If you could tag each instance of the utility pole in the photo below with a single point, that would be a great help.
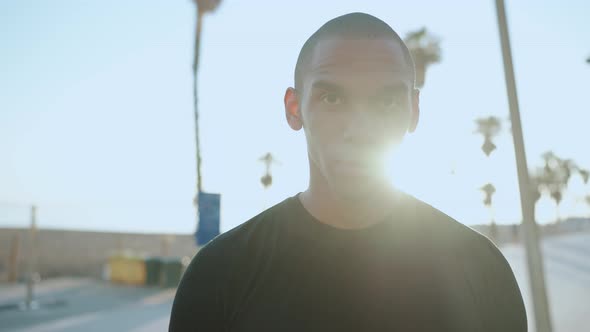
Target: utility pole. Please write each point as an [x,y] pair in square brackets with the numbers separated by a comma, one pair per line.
[13,263]
[32,261]
[195,95]
[531,239]
[203,7]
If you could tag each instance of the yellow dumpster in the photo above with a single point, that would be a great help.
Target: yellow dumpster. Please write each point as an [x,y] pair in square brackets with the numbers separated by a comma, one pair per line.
[127,269]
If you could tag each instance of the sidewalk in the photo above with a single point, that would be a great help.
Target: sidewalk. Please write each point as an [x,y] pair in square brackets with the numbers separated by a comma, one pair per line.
[87,305]
[567,276]
[11,293]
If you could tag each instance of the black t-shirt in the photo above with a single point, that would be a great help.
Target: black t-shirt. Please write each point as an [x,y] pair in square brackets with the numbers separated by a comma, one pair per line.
[283,270]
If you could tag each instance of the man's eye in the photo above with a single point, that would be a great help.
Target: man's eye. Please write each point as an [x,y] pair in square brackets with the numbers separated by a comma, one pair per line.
[388,102]
[331,99]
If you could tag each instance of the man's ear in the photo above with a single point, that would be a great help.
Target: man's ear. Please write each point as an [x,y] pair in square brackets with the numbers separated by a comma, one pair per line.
[292,109]
[415,116]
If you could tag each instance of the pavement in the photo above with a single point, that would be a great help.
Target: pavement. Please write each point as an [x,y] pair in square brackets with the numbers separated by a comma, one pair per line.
[566,261]
[68,305]
[75,304]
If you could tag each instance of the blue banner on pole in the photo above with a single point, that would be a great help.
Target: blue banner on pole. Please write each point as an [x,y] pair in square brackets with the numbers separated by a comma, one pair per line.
[208,228]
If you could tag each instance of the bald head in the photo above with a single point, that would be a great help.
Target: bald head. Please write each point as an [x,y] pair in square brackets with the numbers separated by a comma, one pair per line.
[349,26]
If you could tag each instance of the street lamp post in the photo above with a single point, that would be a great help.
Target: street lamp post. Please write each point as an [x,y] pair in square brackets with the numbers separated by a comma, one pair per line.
[533,252]
[203,7]
[30,302]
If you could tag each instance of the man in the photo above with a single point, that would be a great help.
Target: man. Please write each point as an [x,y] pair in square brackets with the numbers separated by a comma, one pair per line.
[350,253]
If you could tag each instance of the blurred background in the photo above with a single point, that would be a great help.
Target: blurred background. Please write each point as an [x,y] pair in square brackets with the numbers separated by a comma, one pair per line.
[98,158]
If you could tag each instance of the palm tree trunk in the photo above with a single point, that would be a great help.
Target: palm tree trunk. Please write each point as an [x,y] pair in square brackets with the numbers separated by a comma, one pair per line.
[493,226]
[195,98]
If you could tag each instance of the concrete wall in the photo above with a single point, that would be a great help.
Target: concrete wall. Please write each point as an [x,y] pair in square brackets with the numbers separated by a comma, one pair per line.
[84,253]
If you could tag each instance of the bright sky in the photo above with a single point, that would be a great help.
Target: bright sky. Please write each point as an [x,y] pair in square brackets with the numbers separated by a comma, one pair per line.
[96,119]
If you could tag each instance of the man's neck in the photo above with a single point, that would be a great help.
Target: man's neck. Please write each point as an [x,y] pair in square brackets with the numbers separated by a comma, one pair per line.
[349,213]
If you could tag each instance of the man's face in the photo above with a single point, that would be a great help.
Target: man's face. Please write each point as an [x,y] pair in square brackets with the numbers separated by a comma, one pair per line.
[355,105]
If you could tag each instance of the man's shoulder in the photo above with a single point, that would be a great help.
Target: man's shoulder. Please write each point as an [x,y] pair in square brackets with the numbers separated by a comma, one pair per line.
[245,234]
[215,270]
[463,254]
[444,229]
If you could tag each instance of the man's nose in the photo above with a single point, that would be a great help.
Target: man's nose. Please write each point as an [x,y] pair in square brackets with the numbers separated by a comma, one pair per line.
[360,127]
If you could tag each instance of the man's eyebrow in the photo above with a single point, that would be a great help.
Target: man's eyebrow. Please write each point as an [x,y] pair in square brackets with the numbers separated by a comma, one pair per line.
[326,85]
[397,87]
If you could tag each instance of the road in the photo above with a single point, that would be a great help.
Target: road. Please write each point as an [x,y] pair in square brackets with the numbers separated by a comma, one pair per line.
[89,305]
[567,273]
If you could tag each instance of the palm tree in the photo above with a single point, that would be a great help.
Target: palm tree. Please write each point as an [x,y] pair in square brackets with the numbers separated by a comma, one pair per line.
[585,174]
[552,161]
[540,182]
[203,7]
[568,167]
[425,50]
[557,174]
[554,178]
[489,128]
[536,183]
[268,160]
[489,191]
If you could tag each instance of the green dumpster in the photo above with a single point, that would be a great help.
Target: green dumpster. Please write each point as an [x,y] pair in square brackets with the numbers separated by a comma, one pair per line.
[172,269]
[153,267]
